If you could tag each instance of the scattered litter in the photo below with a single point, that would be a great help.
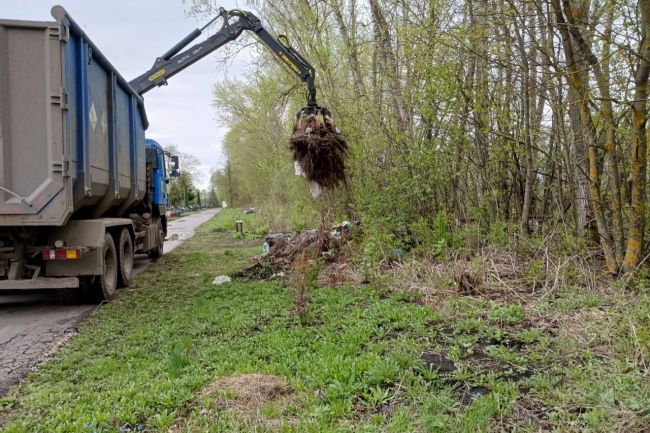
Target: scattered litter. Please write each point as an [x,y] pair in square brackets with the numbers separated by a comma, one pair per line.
[395,255]
[221,279]
[386,409]
[467,396]
[271,239]
[344,229]
[314,188]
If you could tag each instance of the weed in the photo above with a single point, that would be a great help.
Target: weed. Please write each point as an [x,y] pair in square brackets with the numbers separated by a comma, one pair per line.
[303,279]
[178,358]
[507,314]
[375,397]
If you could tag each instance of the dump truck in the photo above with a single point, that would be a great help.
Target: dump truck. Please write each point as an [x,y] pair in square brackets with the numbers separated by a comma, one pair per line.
[81,189]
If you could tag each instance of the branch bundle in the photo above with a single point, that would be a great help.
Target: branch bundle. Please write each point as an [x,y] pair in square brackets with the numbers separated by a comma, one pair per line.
[319,148]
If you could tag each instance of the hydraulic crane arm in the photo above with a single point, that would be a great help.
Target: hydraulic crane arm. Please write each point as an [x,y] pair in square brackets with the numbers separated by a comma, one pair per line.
[234,23]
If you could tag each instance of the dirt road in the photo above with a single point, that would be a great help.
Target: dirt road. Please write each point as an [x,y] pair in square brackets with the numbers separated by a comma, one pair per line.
[34,325]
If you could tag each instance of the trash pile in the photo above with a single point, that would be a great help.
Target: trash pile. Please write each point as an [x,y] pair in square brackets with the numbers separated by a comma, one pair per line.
[281,249]
[314,243]
[319,150]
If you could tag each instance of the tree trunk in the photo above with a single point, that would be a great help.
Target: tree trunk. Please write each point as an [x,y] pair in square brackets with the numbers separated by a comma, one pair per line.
[607,113]
[587,127]
[389,62]
[352,50]
[638,157]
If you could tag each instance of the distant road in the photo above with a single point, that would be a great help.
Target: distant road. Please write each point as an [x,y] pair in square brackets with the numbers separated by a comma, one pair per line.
[34,325]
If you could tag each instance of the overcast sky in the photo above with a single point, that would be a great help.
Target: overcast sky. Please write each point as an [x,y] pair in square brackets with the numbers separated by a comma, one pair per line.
[131,34]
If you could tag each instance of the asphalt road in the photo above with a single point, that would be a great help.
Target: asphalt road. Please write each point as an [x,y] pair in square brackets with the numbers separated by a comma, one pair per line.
[34,325]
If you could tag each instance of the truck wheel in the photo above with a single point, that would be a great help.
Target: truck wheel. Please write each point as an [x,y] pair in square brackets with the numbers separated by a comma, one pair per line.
[125,256]
[156,253]
[103,287]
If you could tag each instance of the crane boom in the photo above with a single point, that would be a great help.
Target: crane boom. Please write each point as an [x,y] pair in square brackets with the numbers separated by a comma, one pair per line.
[234,23]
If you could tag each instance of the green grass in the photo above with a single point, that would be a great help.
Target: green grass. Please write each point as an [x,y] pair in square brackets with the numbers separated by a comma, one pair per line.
[571,362]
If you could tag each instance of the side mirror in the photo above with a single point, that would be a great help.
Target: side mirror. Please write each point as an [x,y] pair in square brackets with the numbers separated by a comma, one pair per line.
[175,173]
[175,164]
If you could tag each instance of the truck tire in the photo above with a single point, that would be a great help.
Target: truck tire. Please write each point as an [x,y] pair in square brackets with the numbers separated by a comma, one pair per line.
[104,287]
[157,252]
[125,255]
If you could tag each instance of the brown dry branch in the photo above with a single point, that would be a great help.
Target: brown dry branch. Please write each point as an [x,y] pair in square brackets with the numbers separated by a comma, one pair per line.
[312,242]
[319,149]
[302,278]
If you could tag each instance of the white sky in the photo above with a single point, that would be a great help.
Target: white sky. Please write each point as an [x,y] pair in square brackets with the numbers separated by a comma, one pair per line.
[131,34]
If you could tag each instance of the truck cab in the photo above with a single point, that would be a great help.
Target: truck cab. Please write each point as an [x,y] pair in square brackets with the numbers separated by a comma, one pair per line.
[157,199]
[159,160]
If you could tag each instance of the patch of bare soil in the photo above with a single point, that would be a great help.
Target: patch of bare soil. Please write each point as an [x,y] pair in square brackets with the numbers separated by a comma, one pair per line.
[533,411]
[438,362]
[482,361]
[246,395]
[249,392]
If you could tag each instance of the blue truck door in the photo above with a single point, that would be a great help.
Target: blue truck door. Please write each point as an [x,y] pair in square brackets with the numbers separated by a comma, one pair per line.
[159,178]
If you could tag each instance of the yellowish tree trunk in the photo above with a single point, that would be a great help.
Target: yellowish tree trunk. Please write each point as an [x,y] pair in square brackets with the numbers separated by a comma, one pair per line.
[576,80]
[638,157]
